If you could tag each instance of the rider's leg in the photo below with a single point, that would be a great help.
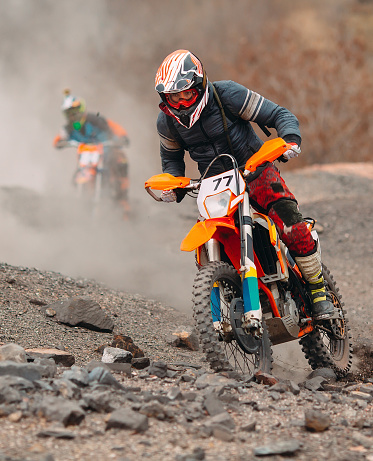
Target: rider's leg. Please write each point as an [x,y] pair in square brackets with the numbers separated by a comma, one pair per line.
[294,232]
[120,168]
[272,196]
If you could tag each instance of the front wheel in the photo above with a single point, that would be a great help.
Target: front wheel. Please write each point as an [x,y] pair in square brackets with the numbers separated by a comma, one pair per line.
[329,345]
[215,286]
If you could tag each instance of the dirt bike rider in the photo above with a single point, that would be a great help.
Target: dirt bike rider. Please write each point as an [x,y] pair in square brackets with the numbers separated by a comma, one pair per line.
[191,119]
[90,128]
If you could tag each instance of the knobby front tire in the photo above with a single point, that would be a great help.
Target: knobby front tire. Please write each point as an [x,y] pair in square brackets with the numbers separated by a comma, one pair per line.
[322,350]
[218,341]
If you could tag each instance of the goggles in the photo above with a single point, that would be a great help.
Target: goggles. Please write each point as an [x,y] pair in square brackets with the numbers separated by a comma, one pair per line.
[184,98]
[73,112]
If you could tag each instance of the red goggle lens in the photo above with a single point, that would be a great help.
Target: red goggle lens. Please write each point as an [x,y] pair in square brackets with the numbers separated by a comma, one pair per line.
[184,98]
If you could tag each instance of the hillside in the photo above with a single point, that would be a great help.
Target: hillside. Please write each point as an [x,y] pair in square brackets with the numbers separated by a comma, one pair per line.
[178,410]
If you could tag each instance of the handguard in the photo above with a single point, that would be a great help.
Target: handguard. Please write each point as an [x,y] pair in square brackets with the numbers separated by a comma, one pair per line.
[165,181]
[269,152]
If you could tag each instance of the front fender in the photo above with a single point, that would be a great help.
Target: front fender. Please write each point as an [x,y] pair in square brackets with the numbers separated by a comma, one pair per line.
[203,231]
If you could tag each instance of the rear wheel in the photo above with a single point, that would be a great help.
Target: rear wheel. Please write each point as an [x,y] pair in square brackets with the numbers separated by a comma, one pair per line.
[215,286]
[329,345]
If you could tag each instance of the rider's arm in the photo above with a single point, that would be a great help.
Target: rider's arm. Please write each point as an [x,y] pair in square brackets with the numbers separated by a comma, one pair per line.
[119,133]
[62,139]
[172,154]
[253,107]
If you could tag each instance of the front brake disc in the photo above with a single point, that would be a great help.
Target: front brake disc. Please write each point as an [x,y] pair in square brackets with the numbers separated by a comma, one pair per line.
[247,342]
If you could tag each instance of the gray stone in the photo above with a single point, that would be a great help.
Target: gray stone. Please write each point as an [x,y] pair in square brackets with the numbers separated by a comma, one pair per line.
[13,352]
[314,384]
[24,370]
[16,382]
[67,389]
[190,396]
[116,355]
[124,368]
[198,454]
[99,401]
[10,395]
[59,409]
[56,433]
[124,418]
[222,419]
[77,375]
[156,410]
[47,367]
[293,387]
[175,394]
[249,427]
[96,363]
[102,376]
[81,312]
[215,380]
[327,373]
[361,439]
[158,369]
[213,405]
[280,447]
[222,433]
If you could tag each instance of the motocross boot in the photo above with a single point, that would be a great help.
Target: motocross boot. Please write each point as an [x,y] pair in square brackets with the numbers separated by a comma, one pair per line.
[311,269]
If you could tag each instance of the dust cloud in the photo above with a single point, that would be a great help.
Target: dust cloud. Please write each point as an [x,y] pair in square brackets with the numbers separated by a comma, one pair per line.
[46,47]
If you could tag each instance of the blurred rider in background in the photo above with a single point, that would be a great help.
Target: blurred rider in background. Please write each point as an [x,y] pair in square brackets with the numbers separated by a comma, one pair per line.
[210,119]
[93,128]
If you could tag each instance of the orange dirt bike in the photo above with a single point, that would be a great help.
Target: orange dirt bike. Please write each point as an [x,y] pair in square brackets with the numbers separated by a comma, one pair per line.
[94,179]
[248,293]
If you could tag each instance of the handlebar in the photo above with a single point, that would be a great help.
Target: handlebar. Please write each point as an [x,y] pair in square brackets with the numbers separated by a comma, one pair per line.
[270,151]
[109,142]
[190,186]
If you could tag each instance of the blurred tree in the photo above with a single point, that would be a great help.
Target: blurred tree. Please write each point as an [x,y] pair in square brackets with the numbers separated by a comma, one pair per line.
[313,58]
[327,89]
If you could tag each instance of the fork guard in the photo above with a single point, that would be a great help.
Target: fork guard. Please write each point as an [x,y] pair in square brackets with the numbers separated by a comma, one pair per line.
[222,229]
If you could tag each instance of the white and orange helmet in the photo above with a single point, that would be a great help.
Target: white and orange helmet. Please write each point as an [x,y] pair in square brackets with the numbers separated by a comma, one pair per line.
[182,71]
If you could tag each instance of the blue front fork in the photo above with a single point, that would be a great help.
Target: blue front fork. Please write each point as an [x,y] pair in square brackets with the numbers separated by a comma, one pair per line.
[215,303]
[250,290]
[249,276]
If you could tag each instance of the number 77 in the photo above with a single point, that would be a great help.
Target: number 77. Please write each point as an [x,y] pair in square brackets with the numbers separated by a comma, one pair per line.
[219,180]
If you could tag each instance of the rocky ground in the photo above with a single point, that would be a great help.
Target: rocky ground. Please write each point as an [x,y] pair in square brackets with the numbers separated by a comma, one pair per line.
[176,409]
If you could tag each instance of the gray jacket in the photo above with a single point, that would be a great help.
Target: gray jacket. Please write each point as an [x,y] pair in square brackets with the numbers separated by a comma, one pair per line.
[206,138]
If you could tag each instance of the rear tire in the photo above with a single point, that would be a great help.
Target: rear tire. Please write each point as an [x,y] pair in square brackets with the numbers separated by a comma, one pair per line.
[322,350]
[220,346]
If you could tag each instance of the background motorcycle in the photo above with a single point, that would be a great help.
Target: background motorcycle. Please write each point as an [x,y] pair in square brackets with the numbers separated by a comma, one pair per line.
[248,293]
[95,179]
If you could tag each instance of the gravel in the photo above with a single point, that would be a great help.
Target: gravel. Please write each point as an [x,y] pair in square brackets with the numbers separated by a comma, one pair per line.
[341,201]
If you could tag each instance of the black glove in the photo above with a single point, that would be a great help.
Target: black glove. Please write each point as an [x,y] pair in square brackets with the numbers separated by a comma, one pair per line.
[180,194]
[282,159]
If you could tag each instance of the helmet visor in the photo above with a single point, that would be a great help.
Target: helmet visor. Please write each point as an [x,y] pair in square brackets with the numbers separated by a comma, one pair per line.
[184,98]
[73,113]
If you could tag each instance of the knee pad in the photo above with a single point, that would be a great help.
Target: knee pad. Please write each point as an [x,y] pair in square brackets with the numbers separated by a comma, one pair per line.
[288,212]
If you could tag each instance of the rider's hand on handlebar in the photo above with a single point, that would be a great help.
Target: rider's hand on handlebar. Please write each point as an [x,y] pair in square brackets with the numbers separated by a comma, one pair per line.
[62,143]
[291,153]
[168,196]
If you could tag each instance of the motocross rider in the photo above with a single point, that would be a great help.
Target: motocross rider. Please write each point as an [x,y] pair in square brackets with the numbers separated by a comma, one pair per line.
[191,119]
[90,128]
